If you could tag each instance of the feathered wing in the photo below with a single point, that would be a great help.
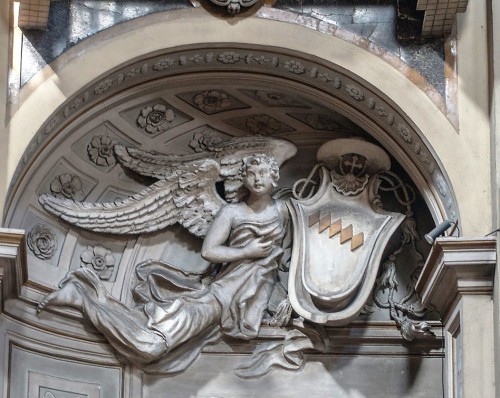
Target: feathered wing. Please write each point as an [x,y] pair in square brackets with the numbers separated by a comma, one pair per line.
[160,166]
[187,195]
[153,164]
[228,154]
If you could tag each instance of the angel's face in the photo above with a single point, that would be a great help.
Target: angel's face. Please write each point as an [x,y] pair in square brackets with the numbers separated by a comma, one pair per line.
[258,179]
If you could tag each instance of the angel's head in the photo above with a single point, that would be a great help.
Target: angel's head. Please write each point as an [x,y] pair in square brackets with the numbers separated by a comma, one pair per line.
[260,173]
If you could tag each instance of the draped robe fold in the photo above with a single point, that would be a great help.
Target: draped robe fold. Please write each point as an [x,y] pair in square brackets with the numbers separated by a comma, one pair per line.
[182,314]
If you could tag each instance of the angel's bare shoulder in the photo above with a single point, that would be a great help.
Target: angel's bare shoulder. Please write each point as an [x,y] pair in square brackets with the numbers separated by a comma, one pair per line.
[234,213]
[231,210]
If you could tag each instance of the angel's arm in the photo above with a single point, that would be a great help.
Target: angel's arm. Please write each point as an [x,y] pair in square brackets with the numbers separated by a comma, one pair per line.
[215,249]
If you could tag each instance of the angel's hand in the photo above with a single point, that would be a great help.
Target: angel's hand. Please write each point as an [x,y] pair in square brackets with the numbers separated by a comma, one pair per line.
[258,248]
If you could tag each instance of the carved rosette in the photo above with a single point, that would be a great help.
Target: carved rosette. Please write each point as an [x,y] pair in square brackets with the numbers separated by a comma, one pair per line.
[100,150]
[100,260]
[229,57]
[322,122]
[68,186]
[204,140]
[156,119]
[263,124]
[42,241]
[333,81]
[212,101]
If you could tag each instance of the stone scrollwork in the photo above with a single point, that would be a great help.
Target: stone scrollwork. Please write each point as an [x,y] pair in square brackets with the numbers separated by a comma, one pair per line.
[42,242]
[273,98]
[330,242]
[403,310]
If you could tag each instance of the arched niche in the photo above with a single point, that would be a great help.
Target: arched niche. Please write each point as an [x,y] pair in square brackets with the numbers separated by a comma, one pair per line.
[347,77]
[277,78]
[330,88]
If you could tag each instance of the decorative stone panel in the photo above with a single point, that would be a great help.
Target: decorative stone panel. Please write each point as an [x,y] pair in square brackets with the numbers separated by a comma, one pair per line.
[440,15]
[34,14]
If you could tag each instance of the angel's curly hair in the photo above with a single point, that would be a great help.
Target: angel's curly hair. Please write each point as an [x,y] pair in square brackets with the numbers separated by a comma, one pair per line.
[259,158]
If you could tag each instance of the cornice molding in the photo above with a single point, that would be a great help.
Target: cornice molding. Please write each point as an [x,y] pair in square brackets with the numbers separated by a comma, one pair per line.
[13,263]
[457,267]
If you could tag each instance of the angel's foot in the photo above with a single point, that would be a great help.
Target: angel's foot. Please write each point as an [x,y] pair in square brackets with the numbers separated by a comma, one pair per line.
[67,296]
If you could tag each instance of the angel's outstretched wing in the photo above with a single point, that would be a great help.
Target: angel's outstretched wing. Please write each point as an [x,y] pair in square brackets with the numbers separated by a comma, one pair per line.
[228,154]
[186,195]
[152,164]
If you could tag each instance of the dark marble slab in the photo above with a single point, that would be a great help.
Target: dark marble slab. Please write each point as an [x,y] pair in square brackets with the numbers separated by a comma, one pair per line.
[71,21]
[382,22]
[427,57]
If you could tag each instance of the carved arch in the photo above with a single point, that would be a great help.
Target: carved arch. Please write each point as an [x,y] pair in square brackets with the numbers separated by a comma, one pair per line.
[356,82]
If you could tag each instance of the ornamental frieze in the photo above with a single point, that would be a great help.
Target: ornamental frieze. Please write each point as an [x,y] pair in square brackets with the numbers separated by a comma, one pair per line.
[355,93]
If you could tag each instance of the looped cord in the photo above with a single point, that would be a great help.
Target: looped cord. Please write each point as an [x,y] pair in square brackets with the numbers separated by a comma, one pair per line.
[306,182]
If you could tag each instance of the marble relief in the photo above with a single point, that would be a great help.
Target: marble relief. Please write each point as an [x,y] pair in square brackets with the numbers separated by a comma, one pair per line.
[285,259]
[42,241]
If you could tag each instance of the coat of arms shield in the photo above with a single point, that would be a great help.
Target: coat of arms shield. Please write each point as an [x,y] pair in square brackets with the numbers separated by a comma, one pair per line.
[340,234]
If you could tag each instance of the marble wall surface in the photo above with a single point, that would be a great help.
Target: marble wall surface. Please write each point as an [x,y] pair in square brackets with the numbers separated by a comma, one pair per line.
[396,373]
[71,21]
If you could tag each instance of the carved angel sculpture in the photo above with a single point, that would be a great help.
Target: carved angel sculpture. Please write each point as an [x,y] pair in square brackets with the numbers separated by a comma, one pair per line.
[243,232]
[185,191]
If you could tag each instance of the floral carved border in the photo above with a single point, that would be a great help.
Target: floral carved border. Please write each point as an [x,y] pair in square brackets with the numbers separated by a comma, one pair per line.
[354,92]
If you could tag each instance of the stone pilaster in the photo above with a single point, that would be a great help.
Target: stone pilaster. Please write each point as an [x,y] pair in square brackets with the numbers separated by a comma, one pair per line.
[13,272]
[457,282]
[5,58]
